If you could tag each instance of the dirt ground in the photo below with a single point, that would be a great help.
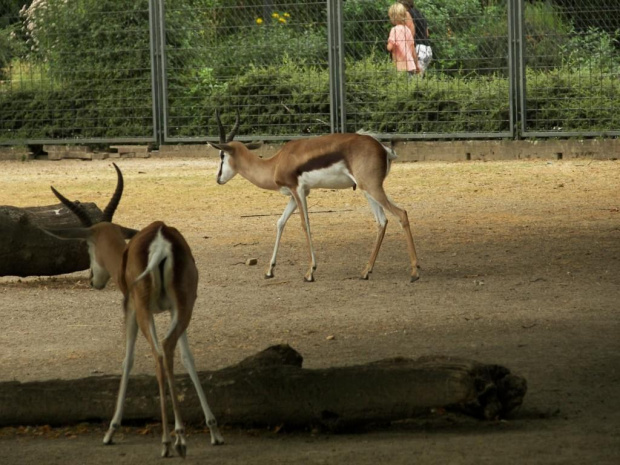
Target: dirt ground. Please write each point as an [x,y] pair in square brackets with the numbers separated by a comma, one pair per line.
[520,267]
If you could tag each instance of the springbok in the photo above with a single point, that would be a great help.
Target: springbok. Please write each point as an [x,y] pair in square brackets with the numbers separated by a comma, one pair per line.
[335,161]
[155,272]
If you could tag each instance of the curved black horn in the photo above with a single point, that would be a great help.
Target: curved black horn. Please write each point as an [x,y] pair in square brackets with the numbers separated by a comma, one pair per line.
[75,208]
[233,131]
[220,127]
[108,213]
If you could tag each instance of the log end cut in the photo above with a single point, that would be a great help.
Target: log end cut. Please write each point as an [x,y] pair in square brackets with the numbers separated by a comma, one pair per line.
[26,250]
[498,392]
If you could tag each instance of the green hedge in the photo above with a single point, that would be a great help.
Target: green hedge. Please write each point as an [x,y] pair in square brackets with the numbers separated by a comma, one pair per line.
[572,101]
[65,113]
[378,99]
[260,93]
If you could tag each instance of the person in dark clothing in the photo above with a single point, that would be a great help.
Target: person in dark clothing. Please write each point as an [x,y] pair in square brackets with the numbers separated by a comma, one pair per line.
[419,28]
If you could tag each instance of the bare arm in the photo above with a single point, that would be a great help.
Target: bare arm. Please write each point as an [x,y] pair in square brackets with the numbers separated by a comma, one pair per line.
[390,42]
[411,25]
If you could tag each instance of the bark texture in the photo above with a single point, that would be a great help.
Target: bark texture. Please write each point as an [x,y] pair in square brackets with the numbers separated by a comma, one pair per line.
[25,250]
[272,389]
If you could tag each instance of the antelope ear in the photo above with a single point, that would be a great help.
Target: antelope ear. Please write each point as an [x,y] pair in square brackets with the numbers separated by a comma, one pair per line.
[128,233]
[69,233]
[254,145]
[224,147]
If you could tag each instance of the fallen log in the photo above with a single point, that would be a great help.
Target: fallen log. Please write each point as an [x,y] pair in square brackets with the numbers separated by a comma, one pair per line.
[25,250]
[272,389]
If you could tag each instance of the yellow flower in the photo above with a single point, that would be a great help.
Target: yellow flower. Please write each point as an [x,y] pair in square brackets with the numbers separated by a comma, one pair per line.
[282,20]
[286,15]
[275,15]
[259,20]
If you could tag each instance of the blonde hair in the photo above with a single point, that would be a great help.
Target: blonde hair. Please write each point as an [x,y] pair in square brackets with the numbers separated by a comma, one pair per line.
[397,14]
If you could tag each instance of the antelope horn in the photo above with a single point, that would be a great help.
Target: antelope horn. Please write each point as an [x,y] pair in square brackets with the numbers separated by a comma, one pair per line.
[108,213]
[233,131]
[75,208]
[220,127]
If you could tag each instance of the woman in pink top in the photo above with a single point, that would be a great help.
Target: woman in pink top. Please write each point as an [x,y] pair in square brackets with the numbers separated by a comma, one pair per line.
[400,42]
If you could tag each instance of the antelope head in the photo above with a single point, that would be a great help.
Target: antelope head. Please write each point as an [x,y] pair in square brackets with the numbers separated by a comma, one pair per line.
[228,166]
[102,237]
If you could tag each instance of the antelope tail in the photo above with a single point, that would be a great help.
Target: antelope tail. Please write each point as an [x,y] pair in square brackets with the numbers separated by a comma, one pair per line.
[159,250]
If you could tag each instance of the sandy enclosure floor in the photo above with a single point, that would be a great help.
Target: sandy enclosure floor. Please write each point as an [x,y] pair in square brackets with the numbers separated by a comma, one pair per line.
[520,267]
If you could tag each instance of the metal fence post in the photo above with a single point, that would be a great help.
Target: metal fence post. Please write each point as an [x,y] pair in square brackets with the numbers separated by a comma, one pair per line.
[332,57]
[513,56]
[336,65]
[340,67]
[157,33]
[518,76]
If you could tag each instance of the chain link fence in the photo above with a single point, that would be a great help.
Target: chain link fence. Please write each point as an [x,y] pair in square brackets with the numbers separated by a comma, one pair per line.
[570,68]
[103,71]
[465,90]
[267,59]
[75,71]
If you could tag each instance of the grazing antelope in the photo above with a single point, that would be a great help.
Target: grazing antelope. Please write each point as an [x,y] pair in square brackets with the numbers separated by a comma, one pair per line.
[155,272]
[335,161]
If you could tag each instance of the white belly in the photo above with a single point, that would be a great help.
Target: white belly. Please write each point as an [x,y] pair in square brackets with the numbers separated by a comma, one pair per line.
[337,176]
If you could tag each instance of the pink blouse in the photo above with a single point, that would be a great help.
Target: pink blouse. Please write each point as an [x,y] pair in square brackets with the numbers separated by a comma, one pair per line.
[402,53]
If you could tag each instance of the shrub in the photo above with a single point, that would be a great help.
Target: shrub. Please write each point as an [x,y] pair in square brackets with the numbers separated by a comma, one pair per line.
[287,99]
[366,27]
[593,50]
[266,42]
[38,114]
[5,52]
[10,26]
[562,100]
[380,99]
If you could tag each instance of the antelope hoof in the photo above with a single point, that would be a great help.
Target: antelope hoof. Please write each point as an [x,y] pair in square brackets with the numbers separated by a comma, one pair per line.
[165,450]
[107,439]
[216,437]
[309,278]
[414,278]
[181,449]
[269,273]
[365,274]
[179,444]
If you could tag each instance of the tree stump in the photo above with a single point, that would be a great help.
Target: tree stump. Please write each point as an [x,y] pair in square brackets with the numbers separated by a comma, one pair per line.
[25,250]
[272,389]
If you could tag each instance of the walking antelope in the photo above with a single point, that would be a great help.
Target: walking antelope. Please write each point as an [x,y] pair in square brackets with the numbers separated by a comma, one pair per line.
[335,161]
[155,272]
